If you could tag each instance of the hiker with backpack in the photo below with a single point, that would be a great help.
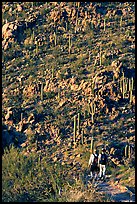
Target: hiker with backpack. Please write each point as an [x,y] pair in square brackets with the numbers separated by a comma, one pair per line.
[93,164]
[102,161]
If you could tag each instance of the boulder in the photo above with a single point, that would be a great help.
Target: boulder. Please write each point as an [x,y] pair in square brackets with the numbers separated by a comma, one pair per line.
[19,8]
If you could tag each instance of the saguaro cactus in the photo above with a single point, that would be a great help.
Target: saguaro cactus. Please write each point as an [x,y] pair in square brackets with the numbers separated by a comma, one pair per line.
[132,83]
[55,38]
[123,78]
[100,56]
[21,116]
[32,36]
[92,111]
[126,150]
[74,136]
[42,91]
[126,84]
[131,96]
[113,78]
[129,148]
[69,44]
[58,97]
[120,83]
[82,136]
[76,23]
[78,123]
[89,56]
[78,4]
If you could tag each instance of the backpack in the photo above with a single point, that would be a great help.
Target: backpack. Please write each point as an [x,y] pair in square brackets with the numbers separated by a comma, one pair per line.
[103,159]
[95,162]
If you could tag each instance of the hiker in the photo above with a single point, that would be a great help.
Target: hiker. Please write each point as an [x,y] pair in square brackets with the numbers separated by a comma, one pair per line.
[102,160]
[93,164]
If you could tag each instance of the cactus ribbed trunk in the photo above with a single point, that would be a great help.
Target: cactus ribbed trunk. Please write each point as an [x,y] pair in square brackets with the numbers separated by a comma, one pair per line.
[132,83]
[74,136]
[69,44]
[126,151]
[78,123]
[89,56]
[55,39]
[130,96]
[82,136]
[37,47]
[100,56]
[129,155]
[21,116]
[92,111]
[123,85]
[129,85]
[32,37]
[42,91]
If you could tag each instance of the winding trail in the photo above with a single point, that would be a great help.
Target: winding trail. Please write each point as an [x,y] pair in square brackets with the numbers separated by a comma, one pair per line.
[117,193]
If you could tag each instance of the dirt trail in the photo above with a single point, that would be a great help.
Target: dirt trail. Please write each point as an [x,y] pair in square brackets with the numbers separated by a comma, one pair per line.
[117,193]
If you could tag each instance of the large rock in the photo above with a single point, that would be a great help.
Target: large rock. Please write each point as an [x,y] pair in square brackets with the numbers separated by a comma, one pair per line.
[11,30]
[6,138]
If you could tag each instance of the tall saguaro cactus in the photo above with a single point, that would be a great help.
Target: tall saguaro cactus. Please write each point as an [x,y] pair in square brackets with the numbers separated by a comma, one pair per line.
[74,135]
[32,36]
[92,108]
[120,84]
[76,23]
[42,91]
[100,56]
[78,4]
[89,56]
[123,78]
[131,96]
[82,136]
[37,47]
[126,150]
[129,151]
[55,38]
[131,83]
[78,123]
[69,44]
[21,116]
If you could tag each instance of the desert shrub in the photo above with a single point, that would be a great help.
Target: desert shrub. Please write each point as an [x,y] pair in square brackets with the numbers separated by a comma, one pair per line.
[28,178]
[49,95]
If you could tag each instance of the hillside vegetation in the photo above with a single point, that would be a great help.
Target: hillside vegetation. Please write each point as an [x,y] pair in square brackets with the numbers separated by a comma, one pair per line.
[68,85]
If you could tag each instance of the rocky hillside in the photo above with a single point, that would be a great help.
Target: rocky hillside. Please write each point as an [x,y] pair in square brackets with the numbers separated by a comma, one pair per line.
[68,84]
